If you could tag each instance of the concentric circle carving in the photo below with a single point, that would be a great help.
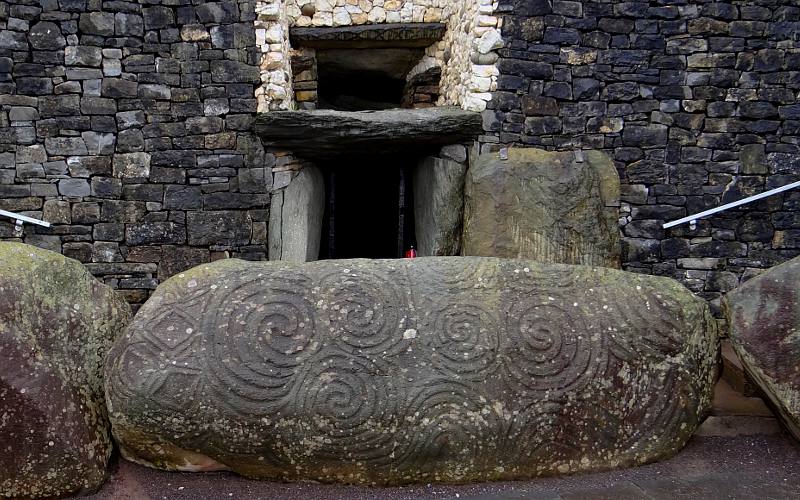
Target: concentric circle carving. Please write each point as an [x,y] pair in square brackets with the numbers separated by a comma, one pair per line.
[449,276]
[666,326]
[446,422]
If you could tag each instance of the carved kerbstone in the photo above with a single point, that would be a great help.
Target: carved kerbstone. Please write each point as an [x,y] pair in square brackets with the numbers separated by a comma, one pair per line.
[764,318]
[57,323]
[397,371]
[558,207]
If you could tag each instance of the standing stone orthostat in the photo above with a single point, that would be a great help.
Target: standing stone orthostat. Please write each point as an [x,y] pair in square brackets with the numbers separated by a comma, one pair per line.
[57,323]
[558,207]
[398,371]
[764,318]
[439,206]
[295,219]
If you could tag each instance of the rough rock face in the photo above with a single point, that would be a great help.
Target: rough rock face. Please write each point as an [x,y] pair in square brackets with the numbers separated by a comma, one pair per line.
[56,324]
[764,318]
[397,371]
[547,206]
[439,206]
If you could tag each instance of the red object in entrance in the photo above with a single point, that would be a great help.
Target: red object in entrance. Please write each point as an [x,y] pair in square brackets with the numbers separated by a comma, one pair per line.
[411,253]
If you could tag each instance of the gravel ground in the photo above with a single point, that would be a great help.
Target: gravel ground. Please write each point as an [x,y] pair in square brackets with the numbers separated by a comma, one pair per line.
[762,467]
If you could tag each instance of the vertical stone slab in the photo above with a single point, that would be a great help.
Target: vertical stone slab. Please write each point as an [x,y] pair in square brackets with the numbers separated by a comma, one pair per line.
[295,220]
[439,206]
[557,207]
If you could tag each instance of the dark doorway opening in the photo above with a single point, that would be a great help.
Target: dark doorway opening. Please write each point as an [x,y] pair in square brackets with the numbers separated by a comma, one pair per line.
[363,79]
[369,208]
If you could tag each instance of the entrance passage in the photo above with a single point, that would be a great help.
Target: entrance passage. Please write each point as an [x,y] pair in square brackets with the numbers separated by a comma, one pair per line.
[368,208]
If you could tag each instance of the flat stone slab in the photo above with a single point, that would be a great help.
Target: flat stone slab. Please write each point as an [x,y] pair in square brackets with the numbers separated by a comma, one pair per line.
[557,207]
[323,133]
[764,318]
[369,36]
[398,371]
[57,322]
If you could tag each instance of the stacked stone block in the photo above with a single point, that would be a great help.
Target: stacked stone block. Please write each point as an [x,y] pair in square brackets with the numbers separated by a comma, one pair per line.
[304,71]
[127,126]
[697,102]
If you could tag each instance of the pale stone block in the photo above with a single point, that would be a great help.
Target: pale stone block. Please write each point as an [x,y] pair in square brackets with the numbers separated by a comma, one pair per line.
[341,17]
[274,34]
[322,19]
[377,15]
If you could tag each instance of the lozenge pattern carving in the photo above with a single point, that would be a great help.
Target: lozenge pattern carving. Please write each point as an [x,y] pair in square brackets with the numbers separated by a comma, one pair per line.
[390,372]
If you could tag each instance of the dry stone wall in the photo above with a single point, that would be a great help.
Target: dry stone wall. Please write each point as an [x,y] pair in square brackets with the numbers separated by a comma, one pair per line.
[466,54]
[698,104]
[127,125]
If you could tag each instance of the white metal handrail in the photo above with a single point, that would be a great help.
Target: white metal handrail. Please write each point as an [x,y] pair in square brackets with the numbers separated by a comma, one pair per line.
[692,219]
[19,218]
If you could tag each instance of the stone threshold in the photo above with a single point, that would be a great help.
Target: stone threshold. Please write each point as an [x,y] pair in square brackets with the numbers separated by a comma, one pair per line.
[323,133]
[369,36]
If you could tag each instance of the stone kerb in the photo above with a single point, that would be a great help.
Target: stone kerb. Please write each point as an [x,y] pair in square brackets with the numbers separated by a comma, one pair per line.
[387,372]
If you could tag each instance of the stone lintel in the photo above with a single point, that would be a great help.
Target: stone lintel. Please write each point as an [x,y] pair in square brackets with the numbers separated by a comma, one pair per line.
[369,36]
[322,133]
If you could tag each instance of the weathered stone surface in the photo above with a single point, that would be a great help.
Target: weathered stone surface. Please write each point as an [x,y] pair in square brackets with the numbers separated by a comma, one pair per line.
[295,218]
[56,324]
[369,35]
[417,370]
[46,36]
[764,319]
[218,227]
[322,133]
[439,206]
[546,206]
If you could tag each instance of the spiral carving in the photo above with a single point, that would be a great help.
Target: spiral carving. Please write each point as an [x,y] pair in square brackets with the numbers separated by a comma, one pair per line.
[363,310]
[343,408]
[552,351]
[465,339]
[259,332]
[447,421]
